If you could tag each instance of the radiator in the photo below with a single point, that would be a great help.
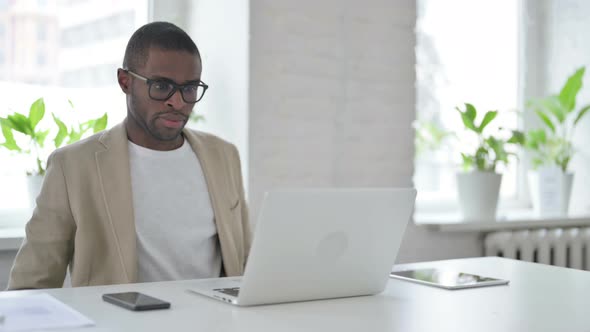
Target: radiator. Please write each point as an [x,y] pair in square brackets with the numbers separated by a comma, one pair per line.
[566,247]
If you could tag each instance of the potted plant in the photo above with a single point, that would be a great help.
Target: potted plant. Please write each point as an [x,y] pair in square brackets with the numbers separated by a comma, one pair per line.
[23,134]
[551,148]
[479,183]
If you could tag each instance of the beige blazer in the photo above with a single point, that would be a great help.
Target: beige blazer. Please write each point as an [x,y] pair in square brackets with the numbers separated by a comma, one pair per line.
[84,214]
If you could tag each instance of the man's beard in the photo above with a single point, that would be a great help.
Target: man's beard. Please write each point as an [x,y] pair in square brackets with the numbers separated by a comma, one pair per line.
[150,126]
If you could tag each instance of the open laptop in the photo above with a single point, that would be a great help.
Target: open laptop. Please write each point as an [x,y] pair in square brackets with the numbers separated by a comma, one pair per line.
[315,244]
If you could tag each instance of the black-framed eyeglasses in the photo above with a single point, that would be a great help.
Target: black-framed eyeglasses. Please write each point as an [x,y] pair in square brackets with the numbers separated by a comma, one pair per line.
[162,89]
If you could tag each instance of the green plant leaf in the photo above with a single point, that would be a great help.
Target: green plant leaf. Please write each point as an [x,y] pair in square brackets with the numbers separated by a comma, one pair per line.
[481,159]
[6,129]
[498,148]
[518,137]
[467,161]
[40,137]
[71,104]
[100,124]
[9,141]
[488,117]
[471,111]
[11,146]
[567,96]
[545,120]
[74,136]
[554,106]
[20,123]
[195,118]
[564,163]
[582,112]
[36,112]
[468,116]
[535,139]
[62,133]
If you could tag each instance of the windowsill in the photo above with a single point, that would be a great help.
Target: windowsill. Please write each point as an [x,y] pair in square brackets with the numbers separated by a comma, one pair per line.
[508,220]
[12,227]
[11,238]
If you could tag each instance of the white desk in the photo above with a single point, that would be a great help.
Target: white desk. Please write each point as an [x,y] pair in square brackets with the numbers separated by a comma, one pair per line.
[539,298]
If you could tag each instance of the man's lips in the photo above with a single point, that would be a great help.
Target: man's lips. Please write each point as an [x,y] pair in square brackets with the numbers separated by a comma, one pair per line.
[173,121]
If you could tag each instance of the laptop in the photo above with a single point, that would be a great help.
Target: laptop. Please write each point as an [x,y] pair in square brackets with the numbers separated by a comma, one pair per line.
[313,244]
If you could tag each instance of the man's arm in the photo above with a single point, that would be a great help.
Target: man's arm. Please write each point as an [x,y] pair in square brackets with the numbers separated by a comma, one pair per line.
[43,258]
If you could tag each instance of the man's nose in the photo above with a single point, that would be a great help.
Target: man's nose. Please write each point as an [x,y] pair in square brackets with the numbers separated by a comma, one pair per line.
[175,101]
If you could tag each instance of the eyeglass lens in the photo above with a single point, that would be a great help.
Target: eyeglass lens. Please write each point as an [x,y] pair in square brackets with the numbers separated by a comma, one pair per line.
[162,90]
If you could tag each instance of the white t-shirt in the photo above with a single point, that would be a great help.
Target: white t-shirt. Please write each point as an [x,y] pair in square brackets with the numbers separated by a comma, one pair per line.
[176,232]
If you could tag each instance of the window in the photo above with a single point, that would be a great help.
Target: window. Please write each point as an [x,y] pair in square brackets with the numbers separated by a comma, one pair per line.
[467,51]
[82,70]
[41,58]
[97,30]
[41,31]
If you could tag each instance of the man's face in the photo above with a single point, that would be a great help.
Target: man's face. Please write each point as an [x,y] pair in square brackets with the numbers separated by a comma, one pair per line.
[153,122]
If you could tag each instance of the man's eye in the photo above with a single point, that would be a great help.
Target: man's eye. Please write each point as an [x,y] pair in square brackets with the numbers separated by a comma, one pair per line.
[161,86]
[190,88]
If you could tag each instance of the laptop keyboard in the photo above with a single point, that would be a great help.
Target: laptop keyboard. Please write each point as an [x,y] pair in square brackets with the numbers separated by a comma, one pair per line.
[234,291]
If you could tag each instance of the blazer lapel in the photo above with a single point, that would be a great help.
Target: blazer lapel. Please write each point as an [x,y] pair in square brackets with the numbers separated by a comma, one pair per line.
[212,165]
[114,173]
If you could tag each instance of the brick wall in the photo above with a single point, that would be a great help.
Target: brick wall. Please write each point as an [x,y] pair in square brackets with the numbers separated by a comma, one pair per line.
[331,94]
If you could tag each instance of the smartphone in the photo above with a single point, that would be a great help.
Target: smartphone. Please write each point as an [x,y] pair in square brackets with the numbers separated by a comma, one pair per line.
[135,301]
[447,279]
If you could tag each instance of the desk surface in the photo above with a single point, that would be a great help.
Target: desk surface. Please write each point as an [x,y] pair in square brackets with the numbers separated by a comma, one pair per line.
[539,298]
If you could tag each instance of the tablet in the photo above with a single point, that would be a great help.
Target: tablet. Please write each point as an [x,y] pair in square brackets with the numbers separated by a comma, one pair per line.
[446,278]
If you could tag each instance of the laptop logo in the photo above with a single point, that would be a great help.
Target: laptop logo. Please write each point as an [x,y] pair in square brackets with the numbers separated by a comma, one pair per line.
[332,246]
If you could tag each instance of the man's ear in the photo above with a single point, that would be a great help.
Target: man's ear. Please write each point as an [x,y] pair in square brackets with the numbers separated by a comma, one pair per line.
[124,81]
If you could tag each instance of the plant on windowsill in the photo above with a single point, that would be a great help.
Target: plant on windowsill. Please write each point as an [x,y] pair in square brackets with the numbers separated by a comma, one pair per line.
[551,148]
[479,183]
[24,135]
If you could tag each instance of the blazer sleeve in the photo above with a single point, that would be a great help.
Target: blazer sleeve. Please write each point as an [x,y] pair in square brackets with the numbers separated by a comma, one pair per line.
[45,253]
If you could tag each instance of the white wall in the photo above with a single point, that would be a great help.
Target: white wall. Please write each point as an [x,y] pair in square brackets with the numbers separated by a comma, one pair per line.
[332,101]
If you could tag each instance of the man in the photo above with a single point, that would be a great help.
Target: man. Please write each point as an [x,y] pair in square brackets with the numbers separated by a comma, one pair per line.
[147,200]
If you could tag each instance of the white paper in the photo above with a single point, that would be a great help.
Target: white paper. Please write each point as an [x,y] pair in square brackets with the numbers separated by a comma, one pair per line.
[38,311]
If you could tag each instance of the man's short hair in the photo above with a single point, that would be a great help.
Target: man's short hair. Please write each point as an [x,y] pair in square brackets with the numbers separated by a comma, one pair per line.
[162,35]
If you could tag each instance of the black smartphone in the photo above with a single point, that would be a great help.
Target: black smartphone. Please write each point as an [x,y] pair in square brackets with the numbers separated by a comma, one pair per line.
[135,301]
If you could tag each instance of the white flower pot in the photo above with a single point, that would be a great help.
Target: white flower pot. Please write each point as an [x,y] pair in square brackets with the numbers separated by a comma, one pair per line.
[478,195]
[550,191]
[34,183]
